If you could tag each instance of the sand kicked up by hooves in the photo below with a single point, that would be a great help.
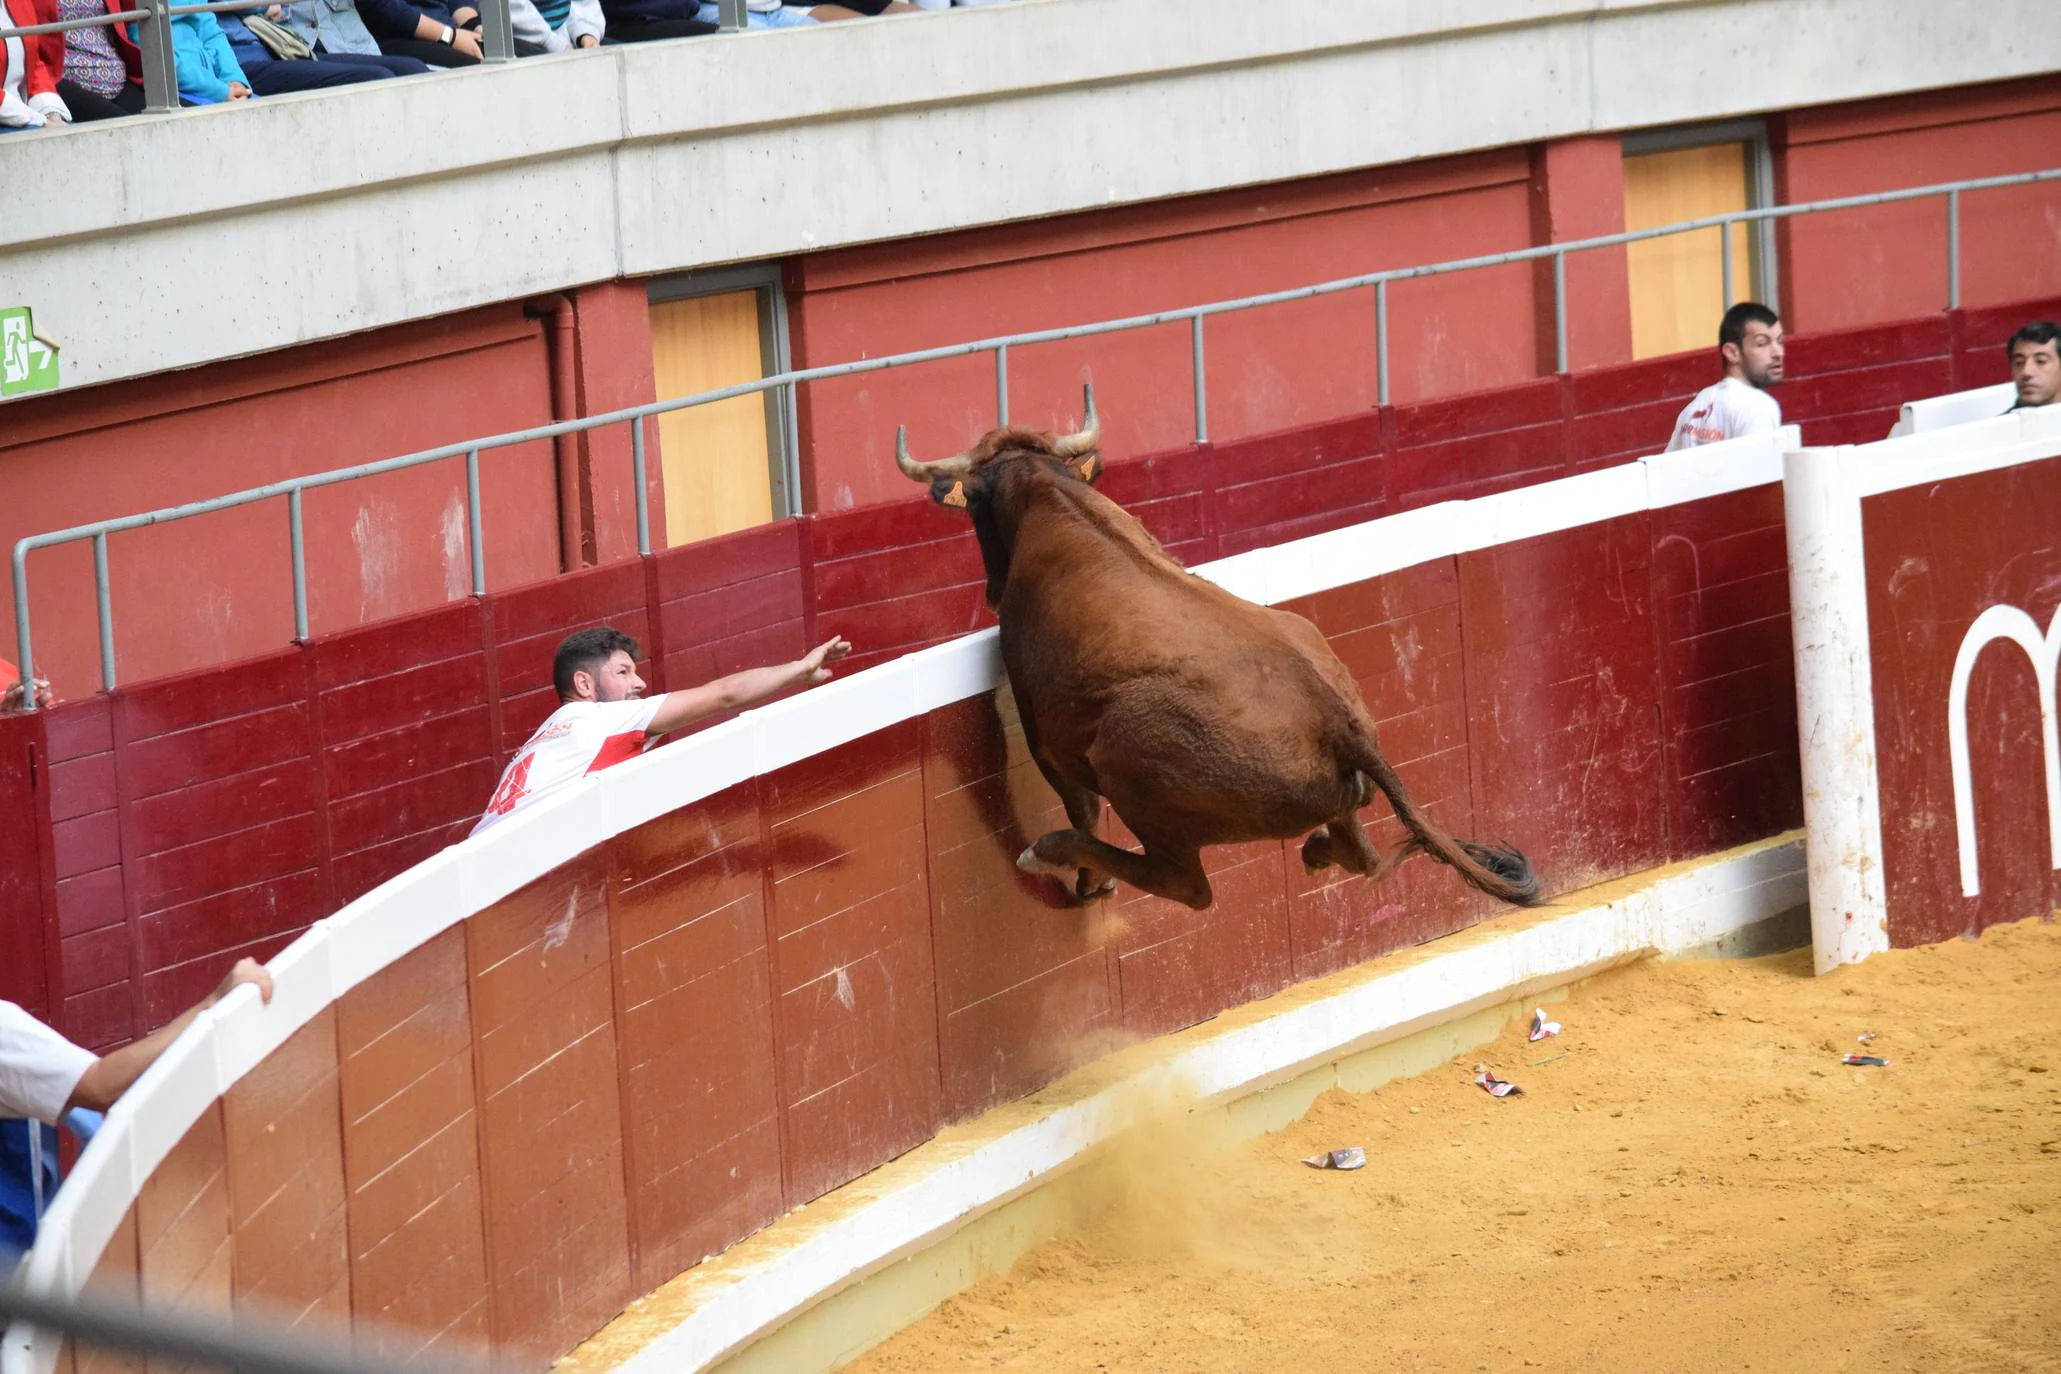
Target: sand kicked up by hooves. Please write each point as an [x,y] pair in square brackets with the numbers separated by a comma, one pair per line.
[1691,1181]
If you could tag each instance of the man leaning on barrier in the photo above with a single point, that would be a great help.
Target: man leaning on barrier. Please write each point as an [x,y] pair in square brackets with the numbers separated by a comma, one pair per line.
[2035,354]
[604,717]
[45,1077]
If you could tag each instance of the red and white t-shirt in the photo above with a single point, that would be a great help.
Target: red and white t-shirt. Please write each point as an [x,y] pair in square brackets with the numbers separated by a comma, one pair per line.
[1728,409]
[581,737]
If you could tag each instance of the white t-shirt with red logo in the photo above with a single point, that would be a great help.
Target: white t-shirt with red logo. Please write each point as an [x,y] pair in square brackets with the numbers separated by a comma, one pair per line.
[581,737]
[1727,410]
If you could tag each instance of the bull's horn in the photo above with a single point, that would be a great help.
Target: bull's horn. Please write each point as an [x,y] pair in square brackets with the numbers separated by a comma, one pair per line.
[955,466]
[1073,445]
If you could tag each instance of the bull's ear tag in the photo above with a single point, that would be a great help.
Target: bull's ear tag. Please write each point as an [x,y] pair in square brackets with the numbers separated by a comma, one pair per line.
[1089,468]
[956,496]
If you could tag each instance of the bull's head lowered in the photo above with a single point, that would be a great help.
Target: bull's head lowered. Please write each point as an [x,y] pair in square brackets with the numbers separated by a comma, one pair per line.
[992,480]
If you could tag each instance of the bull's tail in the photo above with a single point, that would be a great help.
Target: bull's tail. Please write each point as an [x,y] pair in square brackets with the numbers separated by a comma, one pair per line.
[1501,872]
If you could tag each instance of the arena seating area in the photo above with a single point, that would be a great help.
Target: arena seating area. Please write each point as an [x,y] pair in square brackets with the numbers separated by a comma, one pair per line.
[94,71]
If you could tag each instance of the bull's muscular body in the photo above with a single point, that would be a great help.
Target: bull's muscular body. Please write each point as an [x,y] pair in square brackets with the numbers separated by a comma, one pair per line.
[1203,718]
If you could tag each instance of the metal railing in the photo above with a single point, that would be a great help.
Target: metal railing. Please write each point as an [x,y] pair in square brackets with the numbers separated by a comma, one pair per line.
[1377,283]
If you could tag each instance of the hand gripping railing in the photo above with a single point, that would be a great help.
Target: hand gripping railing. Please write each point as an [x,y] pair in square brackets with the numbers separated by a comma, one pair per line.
[786,382]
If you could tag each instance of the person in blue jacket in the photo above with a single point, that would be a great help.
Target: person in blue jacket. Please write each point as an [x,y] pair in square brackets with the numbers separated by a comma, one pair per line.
[208,70]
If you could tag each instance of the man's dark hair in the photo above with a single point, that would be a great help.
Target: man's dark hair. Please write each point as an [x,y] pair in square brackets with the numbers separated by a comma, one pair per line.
[1732,329]
[2038,332]
[584,651]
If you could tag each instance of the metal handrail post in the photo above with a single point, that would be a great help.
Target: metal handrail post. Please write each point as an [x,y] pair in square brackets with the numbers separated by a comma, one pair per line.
[1953,250]
[475,524]
[1002,385]
[22,650]
[300,565]
[1381,341]
[497,32]
[1201,384]
[1725,258]
[1560,312]
[104,598]
[731,16]
[637,476]
[160,70]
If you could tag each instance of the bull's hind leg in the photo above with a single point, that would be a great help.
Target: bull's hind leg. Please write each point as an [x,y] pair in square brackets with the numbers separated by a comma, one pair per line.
[1344,842]
[1171,872]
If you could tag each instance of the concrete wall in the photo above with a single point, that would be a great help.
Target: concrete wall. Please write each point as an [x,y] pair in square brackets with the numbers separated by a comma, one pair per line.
[172,242]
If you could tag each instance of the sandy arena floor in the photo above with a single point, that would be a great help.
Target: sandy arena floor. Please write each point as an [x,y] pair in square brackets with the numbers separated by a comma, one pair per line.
[1692,1181]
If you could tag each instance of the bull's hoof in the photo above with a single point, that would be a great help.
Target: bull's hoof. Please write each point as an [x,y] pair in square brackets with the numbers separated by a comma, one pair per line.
[1030,862]
[1086,889]
[1316,851]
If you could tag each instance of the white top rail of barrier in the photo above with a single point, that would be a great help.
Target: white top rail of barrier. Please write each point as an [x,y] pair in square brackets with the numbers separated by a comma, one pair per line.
[1954,408]
[407,911]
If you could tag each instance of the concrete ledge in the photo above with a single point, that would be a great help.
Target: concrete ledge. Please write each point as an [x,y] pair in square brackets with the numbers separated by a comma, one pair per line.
[331,212]
[1306,1036]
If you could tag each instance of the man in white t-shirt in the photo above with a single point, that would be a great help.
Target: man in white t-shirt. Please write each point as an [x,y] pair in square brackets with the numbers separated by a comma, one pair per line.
[43,1076]
[1750,343]
[604,717]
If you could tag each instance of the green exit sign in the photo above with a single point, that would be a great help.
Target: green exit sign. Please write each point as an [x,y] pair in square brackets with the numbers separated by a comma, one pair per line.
[27,363]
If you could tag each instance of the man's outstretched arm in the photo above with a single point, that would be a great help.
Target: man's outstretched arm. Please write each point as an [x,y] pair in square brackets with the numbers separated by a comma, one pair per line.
[110,1076]
[748,688]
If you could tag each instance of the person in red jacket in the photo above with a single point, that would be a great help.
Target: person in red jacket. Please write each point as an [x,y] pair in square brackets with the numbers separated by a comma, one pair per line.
[30,67]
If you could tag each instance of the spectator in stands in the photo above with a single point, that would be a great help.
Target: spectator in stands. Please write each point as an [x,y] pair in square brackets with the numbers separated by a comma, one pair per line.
[44,1076]
[208,71]
[310,45]
[2035,353]
[103,68]
[604,718]
[550,26]
[772,14]
[646,21]
[429,30]
[1750,344]
[30,67]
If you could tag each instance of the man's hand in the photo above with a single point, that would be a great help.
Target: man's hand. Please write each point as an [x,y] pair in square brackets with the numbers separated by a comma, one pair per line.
[16,698]
[587,40]
[814,669]
[468,42]
[108,1078]
[238,91]
[246,971]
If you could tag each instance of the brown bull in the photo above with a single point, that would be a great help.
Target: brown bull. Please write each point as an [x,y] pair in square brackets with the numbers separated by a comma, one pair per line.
[1203,718]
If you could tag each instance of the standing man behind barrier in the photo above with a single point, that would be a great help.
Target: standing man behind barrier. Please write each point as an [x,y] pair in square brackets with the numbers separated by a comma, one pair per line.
[603,716]
[2035,353]
[1750,343]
